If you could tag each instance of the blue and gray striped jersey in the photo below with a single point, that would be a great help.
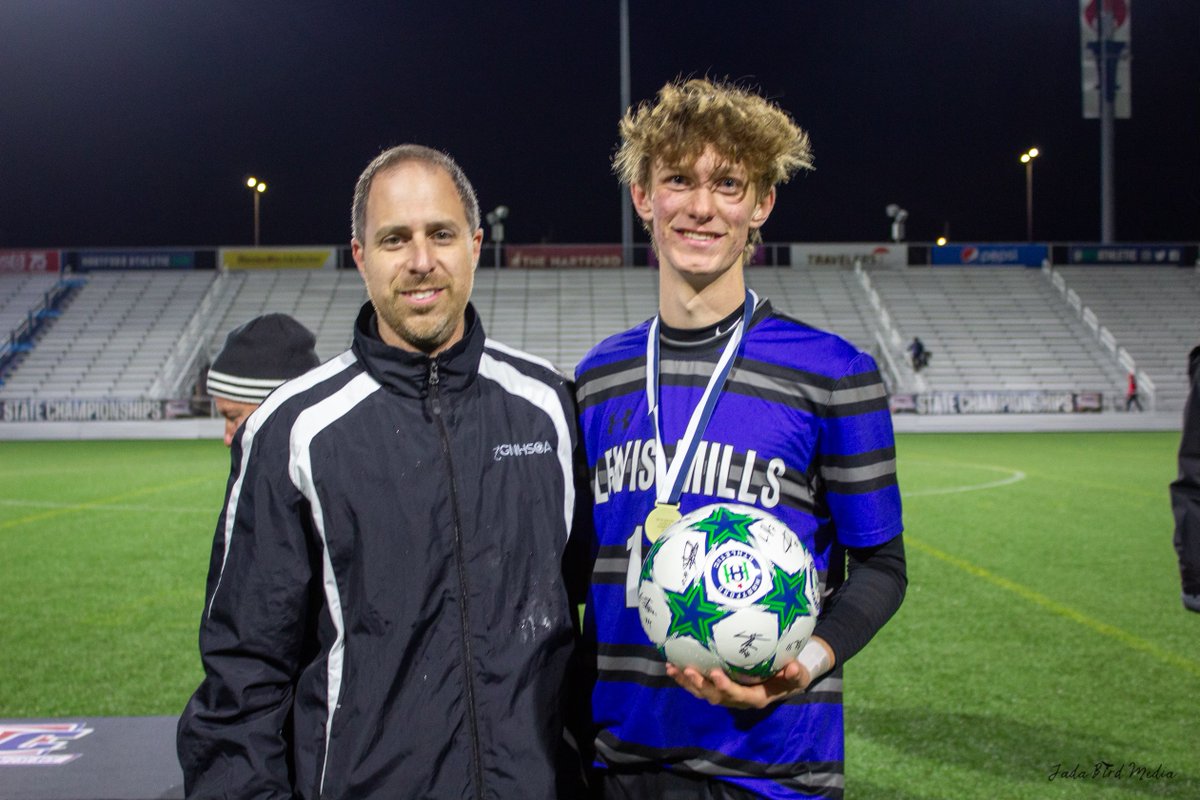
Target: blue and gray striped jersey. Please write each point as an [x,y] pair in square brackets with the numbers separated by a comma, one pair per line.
[801,430]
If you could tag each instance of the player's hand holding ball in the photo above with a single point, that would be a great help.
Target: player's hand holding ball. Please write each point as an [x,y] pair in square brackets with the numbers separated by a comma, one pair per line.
[730,596]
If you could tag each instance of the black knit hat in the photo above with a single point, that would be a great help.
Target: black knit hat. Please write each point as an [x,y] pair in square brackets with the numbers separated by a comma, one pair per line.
[260,355]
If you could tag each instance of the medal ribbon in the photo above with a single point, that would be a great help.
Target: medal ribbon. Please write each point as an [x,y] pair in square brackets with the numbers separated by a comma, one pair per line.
[668,481]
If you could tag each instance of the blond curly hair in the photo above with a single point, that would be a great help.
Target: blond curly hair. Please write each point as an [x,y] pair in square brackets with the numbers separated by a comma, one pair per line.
[689,115]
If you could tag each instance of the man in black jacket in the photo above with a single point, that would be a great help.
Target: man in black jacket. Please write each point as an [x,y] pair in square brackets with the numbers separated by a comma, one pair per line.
[386,610]
[1185,491]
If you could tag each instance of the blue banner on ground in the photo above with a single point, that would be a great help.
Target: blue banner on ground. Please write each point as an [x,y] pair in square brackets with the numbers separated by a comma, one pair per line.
[987,255]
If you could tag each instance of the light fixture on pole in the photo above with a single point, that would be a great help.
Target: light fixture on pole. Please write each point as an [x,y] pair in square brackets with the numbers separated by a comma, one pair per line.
[496,218]
[898,216]
[258,187]
[1027,159]
[944,239]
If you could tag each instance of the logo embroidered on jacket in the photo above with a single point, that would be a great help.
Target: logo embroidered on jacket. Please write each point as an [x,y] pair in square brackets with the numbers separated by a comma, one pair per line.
[517,449]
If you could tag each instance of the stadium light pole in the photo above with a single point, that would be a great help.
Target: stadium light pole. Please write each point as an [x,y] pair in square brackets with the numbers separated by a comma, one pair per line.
[258,187]
[496,218]
[623,193]
[898,215]
[1027,159]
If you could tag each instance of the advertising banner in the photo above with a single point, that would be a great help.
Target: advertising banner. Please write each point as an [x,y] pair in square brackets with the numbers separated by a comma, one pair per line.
[1164,254]
[30,260]
[37,743]
[278,258]
[989,255]
[95,260]
[130,757]
[996,403]
[846,255]
[41,410]
[542,256]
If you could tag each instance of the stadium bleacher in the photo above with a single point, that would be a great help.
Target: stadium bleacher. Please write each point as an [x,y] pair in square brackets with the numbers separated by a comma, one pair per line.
[146,334]
[1004,329]
[20,292]
[1152,312]
[326,301]
[113,338]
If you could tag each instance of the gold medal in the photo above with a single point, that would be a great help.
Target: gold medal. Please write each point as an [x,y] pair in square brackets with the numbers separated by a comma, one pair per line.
[669,479]
[662,517]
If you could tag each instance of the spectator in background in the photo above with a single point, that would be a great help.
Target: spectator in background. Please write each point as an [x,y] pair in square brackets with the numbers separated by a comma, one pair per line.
[257,357]
[920,356]
[1185,491]
[1131,393]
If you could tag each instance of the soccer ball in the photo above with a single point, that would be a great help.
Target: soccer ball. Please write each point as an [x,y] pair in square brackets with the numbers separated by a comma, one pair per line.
[729,586]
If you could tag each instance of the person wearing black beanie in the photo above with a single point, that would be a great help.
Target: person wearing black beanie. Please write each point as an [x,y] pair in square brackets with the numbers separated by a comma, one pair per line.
[257,357]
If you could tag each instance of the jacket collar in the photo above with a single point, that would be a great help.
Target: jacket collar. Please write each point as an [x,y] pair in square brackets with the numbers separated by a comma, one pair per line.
[407,373]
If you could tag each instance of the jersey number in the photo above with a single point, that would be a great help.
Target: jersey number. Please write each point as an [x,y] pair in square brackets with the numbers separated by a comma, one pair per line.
[634,570]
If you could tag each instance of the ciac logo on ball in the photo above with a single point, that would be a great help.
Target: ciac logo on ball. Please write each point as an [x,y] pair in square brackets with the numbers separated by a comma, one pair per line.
[730,587]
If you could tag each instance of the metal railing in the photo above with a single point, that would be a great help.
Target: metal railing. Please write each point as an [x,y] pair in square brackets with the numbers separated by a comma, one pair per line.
[1107,340]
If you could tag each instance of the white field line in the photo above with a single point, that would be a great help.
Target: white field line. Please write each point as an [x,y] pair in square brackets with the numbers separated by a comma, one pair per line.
[52,504]
[1011,476]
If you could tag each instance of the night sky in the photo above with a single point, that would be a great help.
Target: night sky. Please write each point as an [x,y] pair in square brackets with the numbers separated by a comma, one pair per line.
[133,123]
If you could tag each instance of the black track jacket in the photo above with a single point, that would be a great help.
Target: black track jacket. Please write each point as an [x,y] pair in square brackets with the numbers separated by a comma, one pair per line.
[1185,490]
[386,611]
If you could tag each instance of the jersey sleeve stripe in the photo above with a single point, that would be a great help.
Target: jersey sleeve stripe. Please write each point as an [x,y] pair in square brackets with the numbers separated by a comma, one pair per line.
[859,474]
[600,384]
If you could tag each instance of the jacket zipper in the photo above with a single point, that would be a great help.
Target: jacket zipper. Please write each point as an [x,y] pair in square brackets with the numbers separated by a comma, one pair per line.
[435,403]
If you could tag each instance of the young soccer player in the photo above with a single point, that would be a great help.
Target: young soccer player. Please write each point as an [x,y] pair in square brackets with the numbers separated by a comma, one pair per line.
[723,398]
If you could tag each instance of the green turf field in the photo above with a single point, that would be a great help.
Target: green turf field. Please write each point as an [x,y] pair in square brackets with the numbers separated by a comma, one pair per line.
[1042,626]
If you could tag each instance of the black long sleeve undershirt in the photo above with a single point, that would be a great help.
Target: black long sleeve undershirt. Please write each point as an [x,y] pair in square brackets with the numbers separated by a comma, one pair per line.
[872,593]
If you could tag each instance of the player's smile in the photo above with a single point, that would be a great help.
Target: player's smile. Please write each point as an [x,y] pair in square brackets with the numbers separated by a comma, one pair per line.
[700,214]
[700,237]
